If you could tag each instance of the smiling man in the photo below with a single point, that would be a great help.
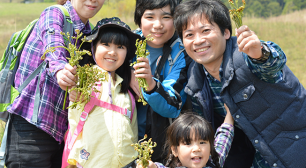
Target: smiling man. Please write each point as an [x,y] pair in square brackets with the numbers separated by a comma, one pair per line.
[251,77]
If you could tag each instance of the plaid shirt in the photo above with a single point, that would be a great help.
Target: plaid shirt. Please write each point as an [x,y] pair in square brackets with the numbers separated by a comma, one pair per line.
[270,71]
[223,141]
[46,33]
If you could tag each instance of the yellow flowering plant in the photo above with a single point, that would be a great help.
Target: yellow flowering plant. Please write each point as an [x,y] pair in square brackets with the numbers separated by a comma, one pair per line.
[142,52]
[236,12]
[145,150]
[87,75]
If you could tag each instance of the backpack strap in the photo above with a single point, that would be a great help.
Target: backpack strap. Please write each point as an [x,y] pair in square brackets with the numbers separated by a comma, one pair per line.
[68,27]
[94,101]
[182,49]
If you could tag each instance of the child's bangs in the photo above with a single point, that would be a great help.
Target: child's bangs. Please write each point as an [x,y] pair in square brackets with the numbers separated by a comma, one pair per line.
[195,132]
[194,129]
[113,35]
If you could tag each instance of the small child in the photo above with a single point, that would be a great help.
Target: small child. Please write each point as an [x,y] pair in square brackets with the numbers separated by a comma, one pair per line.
[104,139]
[189,142]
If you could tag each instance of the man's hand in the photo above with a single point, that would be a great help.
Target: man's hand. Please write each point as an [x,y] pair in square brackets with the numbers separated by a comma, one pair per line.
[143,70]
[66,77]
[248,42]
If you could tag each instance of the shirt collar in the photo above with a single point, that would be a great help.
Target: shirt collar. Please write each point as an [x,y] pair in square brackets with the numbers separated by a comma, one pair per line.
[119,80]
[210,77]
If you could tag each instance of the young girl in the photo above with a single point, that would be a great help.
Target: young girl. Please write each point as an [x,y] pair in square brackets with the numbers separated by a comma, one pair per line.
[190,140]
[104,139]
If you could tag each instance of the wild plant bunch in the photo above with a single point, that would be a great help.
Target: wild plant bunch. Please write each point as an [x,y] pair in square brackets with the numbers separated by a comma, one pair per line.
[87,75]
[145,150]
[142,52]
[237,12]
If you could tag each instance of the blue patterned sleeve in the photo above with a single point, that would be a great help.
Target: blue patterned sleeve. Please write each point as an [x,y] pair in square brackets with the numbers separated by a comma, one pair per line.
[223,141]
[269,71]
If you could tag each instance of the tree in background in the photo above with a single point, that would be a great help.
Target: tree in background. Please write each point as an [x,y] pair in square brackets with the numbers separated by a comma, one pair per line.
[267,8]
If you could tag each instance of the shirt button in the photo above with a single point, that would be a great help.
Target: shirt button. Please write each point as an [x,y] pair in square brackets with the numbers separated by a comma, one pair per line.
[274,165]
[297,137]
[237,116]
[256,141]
[245,96]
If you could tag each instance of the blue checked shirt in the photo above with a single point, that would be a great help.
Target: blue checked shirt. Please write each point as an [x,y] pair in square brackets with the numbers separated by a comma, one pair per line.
[269,71]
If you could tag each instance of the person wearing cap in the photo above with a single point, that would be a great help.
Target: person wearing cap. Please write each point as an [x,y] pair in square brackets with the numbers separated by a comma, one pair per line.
[36,139]
[110,127]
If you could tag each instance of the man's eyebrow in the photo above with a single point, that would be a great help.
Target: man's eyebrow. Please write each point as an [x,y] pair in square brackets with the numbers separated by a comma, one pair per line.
[188,30]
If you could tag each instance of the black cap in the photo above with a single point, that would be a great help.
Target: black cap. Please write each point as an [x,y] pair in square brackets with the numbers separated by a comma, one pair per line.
[116,22]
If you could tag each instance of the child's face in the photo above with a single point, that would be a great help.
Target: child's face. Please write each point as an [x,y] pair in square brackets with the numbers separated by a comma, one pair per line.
[110,56]
[158,23]
[193,155]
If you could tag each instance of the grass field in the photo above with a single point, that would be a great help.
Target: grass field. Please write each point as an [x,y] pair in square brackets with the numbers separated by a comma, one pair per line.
[288,31]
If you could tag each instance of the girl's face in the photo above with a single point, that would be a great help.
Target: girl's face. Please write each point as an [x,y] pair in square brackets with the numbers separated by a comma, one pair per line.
[193,155]
[87,9]
[110,56]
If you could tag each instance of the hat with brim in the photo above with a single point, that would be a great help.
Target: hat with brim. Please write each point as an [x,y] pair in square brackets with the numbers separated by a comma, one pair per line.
[116,23]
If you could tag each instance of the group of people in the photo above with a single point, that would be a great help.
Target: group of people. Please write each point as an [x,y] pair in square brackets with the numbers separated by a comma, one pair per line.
[213,100]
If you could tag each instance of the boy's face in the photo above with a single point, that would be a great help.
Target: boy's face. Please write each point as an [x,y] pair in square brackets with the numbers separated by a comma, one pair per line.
[158,23]
[204,42]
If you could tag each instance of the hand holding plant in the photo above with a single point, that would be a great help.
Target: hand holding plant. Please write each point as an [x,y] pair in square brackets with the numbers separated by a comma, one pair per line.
[145,150]
[236,13]
[87,75]
[142,52]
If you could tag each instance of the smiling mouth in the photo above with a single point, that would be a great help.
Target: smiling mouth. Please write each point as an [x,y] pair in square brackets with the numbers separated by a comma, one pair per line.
[91,7]
[157,34]
[201,50]
[110,60]
[196,159]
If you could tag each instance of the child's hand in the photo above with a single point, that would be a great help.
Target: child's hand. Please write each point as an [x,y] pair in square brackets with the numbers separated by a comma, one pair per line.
[73,96]
[228,118]
[66,77]
[248,42]
[134,85]
[151,165]
[143,70]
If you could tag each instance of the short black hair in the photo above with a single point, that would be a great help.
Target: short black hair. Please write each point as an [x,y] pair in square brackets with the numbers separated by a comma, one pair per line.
[143,5]
[213,10]
[118,37]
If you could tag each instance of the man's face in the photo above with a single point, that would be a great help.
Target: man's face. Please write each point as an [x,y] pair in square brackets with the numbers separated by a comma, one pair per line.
[158,23]
[204,41]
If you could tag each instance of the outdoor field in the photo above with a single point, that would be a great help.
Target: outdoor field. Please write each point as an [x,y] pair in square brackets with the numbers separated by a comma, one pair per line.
[288,31]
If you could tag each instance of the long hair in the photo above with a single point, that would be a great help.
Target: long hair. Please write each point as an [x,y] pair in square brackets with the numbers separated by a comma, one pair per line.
[118,37]
[180,131]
